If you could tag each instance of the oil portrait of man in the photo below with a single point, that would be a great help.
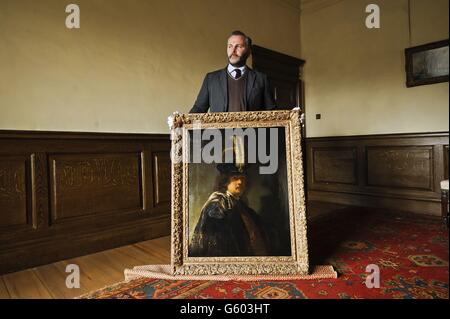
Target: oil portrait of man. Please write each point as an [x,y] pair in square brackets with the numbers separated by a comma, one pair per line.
[227,226]
[237,211]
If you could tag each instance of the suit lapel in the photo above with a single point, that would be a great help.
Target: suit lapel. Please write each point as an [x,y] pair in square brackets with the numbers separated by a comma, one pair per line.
[250,83]
[224,87]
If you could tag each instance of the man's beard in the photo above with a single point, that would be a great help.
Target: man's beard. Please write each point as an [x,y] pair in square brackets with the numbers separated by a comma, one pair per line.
[240,62]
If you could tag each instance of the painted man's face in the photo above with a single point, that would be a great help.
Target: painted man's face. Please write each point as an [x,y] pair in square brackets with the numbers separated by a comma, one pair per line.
[237,50]
[236,185]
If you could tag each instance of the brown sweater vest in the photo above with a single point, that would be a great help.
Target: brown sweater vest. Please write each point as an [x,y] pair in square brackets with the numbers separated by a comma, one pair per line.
[237,101]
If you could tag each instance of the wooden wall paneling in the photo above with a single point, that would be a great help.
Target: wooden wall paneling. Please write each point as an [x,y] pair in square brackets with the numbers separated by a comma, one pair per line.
[381,201]
[439,170]
[161,174]
[445,151]
[40,191]
[362,165]
[405,168]
[145,180]
[400,167]
[335,165]
[68,194]
[15,192]
[95,184]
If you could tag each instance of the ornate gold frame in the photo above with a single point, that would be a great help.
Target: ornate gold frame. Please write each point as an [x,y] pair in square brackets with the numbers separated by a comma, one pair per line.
[295,264]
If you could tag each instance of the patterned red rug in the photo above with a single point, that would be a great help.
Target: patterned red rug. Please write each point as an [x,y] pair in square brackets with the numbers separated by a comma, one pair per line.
[411,253]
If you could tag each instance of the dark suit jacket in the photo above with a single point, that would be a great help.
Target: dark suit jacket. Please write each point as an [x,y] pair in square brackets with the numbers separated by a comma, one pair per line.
[214,92]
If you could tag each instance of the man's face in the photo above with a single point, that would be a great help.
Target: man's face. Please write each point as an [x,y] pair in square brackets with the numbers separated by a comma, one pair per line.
[237,50]
[236,185]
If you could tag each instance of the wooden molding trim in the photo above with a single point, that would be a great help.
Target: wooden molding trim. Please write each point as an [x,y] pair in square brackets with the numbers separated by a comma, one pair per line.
[399,171]
[17,134]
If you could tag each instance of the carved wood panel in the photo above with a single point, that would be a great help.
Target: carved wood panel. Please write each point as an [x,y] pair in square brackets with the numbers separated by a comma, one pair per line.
[87,184]
[162,177]
[40,190]
[335,165]
[402,167]
[14,192]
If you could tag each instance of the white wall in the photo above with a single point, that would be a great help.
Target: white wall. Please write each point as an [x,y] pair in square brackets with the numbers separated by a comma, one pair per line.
[130,65]
[355,77]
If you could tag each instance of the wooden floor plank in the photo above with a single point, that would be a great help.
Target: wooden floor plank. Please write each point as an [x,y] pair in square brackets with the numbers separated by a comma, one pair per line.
[135,255]
[96,271]
[122,260]
[160,253]
[25,284]
[54,278]
[4,294]
[162,244]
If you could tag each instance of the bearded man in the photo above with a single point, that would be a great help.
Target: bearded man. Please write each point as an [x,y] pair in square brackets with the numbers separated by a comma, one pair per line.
[237,87]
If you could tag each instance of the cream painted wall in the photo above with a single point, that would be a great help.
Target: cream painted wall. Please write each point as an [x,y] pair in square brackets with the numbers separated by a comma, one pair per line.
[355,76]
[130,65]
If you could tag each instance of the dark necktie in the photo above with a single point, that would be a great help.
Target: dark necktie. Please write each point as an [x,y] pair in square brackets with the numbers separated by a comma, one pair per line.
[238,74]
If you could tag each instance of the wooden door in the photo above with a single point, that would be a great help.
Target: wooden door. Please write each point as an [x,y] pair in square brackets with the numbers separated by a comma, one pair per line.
[284,73]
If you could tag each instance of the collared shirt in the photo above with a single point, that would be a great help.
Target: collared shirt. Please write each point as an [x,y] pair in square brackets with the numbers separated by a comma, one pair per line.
[231,70]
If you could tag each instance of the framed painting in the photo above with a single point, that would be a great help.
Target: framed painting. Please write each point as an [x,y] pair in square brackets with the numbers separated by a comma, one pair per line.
[238,198]
[427,64]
